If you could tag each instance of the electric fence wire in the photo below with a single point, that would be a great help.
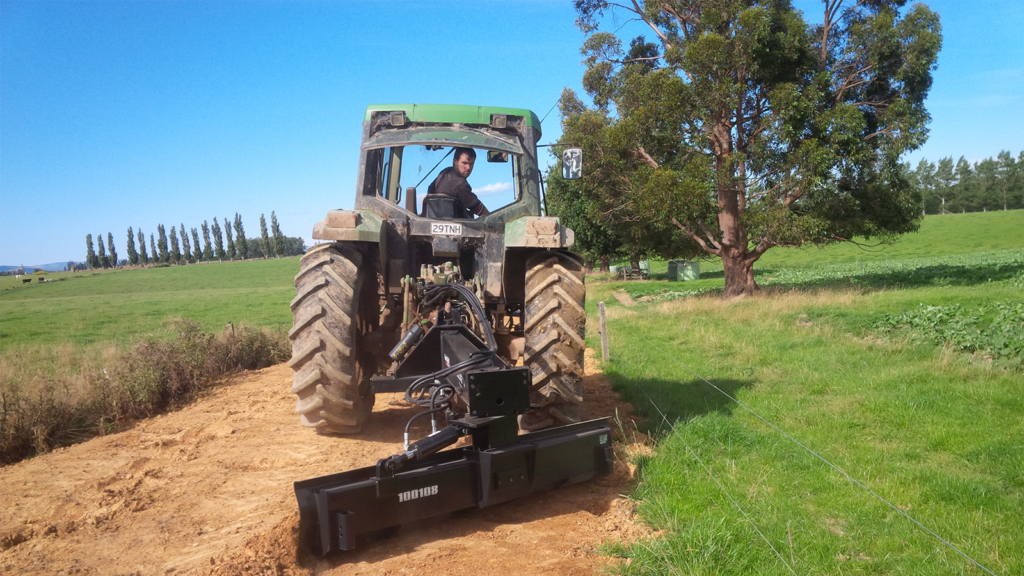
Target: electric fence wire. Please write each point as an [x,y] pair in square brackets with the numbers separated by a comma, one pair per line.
[720,487]
[823,459]
[549,112]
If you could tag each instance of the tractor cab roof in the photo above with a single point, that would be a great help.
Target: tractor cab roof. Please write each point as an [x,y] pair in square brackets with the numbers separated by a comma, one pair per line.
[455,114]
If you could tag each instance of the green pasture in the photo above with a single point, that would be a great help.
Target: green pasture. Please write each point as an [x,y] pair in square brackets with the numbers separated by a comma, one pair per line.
[115,306]
[940,235]
[901,365]
[904,372]
[946,246]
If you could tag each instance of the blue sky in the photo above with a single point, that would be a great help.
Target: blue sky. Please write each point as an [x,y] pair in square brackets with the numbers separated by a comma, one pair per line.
[116,114]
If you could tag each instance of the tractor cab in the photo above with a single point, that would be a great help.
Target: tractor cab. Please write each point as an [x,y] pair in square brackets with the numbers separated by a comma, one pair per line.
[405,154]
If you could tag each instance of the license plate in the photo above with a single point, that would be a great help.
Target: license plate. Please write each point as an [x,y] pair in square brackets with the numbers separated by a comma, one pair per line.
[445,229]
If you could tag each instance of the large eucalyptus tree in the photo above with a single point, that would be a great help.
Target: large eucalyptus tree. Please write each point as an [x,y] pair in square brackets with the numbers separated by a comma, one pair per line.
[745,127]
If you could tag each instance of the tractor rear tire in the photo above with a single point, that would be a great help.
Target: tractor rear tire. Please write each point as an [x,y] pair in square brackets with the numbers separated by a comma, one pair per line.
[555,327]
[329,373]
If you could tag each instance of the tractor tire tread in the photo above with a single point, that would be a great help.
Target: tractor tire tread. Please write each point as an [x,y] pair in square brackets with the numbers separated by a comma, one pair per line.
[327,371]
[555,324]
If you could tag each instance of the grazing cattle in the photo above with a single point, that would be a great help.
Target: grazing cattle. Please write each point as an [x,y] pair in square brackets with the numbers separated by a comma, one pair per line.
[26,280]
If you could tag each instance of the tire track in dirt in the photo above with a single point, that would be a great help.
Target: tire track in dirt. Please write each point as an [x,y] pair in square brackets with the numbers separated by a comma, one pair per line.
[208,490]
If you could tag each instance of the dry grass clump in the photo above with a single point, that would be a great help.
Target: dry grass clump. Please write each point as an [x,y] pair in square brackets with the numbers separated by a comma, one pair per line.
[56,397]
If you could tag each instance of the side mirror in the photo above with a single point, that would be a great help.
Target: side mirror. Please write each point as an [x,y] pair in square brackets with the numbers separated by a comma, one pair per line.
[496,156]
[572,164]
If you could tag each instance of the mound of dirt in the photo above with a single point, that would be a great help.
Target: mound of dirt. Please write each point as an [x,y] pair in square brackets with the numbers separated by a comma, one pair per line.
[208,490]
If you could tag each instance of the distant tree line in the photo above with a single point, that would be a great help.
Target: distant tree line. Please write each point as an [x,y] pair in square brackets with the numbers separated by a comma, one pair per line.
[991,184]
[71,266]
[184,247]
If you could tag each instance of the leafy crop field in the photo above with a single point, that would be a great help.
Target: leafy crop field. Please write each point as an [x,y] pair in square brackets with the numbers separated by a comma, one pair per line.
[114,306]
[903,372]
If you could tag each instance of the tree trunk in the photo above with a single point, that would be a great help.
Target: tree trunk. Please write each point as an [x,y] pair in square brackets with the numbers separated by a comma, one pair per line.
[605,264]
[588,266]
[733,246]
[739,276]
[634,263]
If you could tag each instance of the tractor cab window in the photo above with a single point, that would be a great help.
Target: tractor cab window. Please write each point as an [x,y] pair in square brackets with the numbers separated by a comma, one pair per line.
[494,179]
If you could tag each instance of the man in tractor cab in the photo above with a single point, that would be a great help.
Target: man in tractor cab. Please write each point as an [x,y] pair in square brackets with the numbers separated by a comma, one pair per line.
[452,182]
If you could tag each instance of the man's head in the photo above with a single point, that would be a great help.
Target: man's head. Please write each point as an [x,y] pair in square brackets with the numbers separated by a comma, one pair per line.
[464,160]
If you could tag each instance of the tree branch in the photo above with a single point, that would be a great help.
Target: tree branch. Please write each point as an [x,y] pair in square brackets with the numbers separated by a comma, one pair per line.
[647,157]
[792,197]
[849,83]
[882,132]
[683,22]
[640,12]
[831,8]
[697,239]
[759,250]
[708,234]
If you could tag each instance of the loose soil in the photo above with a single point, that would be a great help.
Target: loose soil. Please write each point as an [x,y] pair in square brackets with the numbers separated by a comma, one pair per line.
[208,490]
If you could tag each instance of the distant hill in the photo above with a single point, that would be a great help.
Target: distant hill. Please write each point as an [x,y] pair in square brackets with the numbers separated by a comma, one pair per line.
[55,267]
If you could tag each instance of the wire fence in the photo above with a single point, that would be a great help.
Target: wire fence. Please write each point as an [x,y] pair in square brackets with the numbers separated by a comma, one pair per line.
[835,467]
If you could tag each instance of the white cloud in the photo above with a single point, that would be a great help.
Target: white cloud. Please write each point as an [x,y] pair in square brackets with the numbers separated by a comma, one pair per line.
[496,188]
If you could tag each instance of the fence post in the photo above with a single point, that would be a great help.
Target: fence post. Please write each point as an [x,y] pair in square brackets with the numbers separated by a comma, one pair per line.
[604,332]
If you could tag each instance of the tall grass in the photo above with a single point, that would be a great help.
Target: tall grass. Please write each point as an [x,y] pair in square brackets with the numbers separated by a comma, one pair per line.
[55,396]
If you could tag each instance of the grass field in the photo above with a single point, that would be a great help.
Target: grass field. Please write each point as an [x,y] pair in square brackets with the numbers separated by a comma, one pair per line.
[114,306]
[943,235]
[92,307]
[900,366]
[927,252]
[82,352]
[840,354]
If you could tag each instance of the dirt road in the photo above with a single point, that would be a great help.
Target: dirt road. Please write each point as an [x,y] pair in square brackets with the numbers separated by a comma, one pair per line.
[208,490]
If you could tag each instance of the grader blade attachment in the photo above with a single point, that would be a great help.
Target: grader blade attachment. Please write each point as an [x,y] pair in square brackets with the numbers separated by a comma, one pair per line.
[338,510]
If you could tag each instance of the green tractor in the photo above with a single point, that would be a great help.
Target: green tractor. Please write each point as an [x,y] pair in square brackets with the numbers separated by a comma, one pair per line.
[360,290]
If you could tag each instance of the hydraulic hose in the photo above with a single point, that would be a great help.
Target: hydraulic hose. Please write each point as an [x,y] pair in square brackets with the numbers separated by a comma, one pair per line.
[433,295]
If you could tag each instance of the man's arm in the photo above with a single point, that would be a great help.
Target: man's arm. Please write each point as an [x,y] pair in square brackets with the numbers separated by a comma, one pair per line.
[470,201]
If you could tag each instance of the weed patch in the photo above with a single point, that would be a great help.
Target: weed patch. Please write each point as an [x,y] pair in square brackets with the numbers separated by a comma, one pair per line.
[997,329]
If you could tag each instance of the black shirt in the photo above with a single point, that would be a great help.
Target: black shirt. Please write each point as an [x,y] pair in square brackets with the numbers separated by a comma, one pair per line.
[450,183]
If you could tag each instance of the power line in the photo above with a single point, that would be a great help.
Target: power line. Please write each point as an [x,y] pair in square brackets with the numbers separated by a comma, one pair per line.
[820,457]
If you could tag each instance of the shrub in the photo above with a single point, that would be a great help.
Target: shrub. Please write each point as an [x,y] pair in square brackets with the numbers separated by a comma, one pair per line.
[249,349]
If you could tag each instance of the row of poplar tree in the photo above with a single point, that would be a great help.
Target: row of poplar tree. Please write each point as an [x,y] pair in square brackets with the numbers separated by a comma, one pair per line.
[238,247]
[991,184]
